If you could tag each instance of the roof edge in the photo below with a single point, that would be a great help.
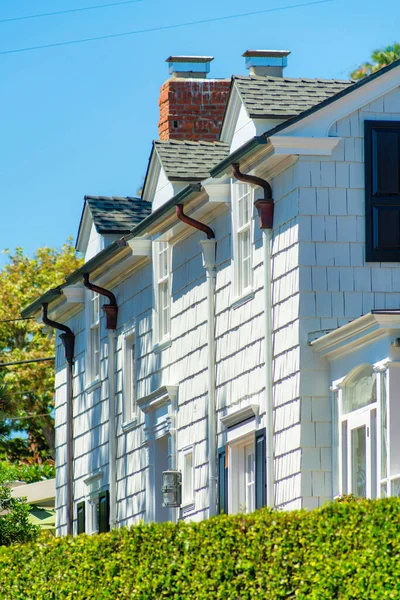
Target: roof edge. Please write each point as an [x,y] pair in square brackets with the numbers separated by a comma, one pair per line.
[252,144]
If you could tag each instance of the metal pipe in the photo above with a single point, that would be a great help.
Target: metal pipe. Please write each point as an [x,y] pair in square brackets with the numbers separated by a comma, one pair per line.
[68,340]
[209,263]
[265,208]
[193,223]
[111,311]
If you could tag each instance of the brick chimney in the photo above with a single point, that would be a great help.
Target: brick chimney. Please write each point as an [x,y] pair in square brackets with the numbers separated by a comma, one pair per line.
[191,106]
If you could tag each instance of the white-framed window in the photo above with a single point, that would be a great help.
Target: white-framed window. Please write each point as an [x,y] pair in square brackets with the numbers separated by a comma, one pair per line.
[129,378]
[94,336]
[187,477]
[242,469]
[162,290]
[96,511]
[360,435]
[242,213]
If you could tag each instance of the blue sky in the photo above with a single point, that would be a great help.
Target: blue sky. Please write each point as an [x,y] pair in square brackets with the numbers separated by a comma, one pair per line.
[80,119]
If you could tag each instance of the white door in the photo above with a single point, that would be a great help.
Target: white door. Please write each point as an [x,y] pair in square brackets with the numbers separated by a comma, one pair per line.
[361,476]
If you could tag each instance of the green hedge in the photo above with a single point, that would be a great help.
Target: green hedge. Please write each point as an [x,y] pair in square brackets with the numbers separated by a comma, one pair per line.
[344,550]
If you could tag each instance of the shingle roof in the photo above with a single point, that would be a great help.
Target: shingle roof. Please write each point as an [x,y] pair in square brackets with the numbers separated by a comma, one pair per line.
[283,97]
[184,160]
[115,214]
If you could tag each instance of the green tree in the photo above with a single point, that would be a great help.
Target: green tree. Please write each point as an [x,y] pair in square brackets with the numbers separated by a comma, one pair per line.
[15,527]
[380,58]
[27,391]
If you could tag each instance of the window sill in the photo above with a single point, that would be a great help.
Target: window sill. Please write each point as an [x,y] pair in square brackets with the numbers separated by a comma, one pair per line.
[239,300]
[92,386]
[159,347]
[129,425]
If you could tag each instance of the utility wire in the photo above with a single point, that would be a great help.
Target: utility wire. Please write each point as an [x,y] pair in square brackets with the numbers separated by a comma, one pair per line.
[71,10]
[27,417]
[25,362]
[19,319]
[163,27]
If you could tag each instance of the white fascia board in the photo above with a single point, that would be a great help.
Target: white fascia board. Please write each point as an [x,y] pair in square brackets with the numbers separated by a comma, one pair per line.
[152,177]
[319,123]
[218,190]
[300,145]
[85,229]
[75,294]
[140,247]
[231,116]
[360,332]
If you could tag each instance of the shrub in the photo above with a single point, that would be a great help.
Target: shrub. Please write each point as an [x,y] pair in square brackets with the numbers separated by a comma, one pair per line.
[346,550]
[15,526]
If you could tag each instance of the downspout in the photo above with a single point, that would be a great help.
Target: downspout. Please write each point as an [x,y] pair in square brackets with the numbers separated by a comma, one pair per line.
[68,340]
[111,310]
[265,208]
[209,263]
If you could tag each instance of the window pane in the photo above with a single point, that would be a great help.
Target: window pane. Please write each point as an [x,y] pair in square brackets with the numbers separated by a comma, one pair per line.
[249,478]
[359,462]
[95,308]
[383,490]
[395,487]
[360,391]
[163,260]
[95,345]
[244,259]
[188,477]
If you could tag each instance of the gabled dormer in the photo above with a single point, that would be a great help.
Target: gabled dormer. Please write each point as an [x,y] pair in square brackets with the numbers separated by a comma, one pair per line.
[175,163]
[105,219]
[264,99]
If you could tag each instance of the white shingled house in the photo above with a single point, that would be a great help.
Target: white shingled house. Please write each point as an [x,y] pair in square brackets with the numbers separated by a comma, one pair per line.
[249,346]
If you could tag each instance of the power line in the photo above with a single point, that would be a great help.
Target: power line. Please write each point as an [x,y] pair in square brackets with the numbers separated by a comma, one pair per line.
[71,10]
[19,319]
[25,362]
[27,417]
[162,28]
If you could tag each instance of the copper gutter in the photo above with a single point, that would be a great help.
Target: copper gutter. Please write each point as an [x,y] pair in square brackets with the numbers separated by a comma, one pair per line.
[193,223]
[264,206]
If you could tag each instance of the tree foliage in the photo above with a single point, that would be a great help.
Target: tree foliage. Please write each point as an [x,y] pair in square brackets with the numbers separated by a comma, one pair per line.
[26,391]
[29,473]
[15,527]
[380,58]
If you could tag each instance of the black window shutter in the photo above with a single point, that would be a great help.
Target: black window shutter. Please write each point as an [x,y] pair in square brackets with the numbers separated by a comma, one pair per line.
[382,190]
[222,481]
[80,515]
[104,512]
[260,458]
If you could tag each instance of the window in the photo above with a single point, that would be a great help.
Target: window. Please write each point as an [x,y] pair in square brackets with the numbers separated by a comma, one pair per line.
[94,515]
[382,190]
[94,341]
[80,517]
[242,238]
[242,474]
[358,434]
[187,477]
[129,384]
[162,289]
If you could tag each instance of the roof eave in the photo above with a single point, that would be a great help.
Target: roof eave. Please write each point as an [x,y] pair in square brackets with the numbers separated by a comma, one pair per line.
[33,308]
